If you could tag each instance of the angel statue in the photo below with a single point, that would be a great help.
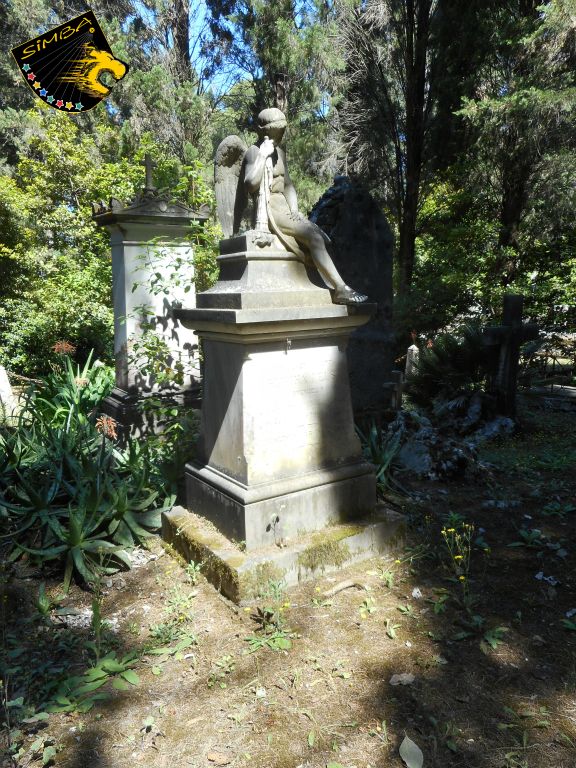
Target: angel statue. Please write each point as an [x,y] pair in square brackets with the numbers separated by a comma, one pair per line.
[259,174]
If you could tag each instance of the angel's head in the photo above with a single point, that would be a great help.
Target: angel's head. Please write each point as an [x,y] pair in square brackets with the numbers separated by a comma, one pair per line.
[271,123]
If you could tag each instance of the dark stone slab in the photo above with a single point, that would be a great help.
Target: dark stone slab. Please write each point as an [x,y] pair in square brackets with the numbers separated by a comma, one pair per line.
[362,249]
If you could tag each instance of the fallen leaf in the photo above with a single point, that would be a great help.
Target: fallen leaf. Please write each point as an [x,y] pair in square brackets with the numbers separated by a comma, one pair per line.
[405,678]
[411,753]
[219,758]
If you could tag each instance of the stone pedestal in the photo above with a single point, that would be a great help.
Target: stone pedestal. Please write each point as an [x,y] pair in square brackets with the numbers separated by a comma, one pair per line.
[149,244]
[279,467]
[278,455]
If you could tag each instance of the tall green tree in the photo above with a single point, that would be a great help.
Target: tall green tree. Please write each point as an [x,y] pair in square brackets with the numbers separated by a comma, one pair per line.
[283,53]
[291,38]
[388,105]
[523,115]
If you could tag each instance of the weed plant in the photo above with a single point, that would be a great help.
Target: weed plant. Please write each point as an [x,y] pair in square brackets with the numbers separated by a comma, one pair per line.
[458,543]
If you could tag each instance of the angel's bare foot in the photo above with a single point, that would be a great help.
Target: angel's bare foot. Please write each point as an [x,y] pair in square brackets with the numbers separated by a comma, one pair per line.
[346,295]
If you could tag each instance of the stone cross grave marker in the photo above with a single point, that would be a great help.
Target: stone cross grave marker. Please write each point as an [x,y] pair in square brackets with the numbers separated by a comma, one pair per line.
[507,339]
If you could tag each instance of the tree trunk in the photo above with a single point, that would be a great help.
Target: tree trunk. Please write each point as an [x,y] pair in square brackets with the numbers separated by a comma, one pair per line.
[417,41]
[515,176]
[181,33]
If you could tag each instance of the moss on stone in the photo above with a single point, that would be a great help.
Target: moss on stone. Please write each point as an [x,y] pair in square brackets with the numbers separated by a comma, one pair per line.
[328,549]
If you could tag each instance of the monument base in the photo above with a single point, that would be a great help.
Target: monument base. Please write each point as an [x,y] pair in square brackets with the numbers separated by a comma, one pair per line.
[277,512]
[244,576]
[278,468]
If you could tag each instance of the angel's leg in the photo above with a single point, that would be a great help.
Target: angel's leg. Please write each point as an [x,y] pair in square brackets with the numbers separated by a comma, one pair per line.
[308,234]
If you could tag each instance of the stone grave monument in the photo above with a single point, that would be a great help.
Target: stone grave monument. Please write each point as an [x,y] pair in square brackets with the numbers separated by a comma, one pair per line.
[148,237]
[279,468]
[9,407]
[356,225]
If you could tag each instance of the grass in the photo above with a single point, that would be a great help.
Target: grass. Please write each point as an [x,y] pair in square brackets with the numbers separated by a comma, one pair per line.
[488,673]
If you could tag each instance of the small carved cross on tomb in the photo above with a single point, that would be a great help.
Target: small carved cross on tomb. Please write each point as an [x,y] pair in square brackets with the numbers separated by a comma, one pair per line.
[149,164]
[508,338]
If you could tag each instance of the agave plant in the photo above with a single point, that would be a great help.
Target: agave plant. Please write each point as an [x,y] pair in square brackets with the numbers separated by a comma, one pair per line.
[67,492]
[82,544]
[72,392]
[134,517]
[381,449]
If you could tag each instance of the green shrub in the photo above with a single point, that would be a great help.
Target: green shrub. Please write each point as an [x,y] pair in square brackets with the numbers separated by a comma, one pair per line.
[67,493]
[454,365]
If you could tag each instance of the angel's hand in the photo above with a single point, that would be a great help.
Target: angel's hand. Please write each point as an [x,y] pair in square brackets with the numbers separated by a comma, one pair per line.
[267,147]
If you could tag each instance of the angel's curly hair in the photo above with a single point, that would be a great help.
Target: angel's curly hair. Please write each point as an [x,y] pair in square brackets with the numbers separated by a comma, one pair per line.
[271,118]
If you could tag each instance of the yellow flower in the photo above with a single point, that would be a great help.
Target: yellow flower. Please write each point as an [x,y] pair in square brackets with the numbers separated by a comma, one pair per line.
[462,578]
[285,605]
[247,609]
[450,530]
[458,557]
[397,562]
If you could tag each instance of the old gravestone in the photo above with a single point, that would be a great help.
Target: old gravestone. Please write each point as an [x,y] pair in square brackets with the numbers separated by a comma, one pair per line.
[8,400]
[148,238]
[362,249]
[278,465]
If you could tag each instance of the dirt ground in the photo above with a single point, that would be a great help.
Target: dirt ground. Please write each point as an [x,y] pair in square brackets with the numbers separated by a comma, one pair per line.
[488,661]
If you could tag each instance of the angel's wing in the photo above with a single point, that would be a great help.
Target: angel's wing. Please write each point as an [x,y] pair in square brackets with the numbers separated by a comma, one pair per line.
[231,198]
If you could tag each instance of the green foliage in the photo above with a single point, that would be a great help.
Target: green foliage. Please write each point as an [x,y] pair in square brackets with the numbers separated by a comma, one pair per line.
[381,448]
[260,40]
[220,669]
[66,492]
[272,630]
[456,364]
[55,257]
[51,249]
[492,638]
[454,250]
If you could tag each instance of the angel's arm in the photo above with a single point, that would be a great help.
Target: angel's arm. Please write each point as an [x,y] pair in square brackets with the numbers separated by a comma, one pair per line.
[289,190]
[255,162]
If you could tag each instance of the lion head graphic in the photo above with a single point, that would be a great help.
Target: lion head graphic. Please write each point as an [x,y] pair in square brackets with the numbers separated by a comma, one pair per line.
[85,72]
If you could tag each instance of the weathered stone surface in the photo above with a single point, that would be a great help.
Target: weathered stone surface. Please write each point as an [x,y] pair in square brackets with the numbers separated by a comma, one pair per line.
[148,238]
[277,434]
[244,576]
[135,259]
[257,273]
[361,248]
[260,173]
[8,400]
[506,340]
